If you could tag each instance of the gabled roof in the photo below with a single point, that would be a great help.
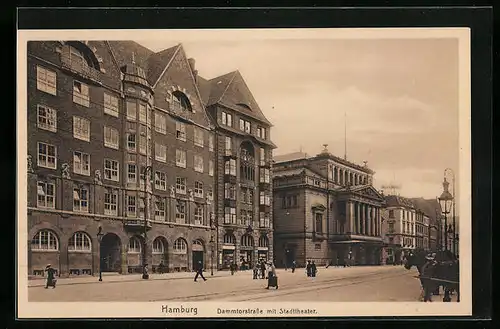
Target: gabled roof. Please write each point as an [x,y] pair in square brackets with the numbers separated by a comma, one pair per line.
[204,88]
[232,91]
[122,51]
[158,62]
[398,201]
[367,189]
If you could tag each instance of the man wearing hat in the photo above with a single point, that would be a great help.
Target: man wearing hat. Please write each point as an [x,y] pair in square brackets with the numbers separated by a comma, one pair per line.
[51,281]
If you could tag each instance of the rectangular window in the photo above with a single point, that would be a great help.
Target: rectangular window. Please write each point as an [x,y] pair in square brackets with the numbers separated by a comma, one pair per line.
[131,142]
[81,128]
[46,80]
[160,152]
[229,215]
[46,195]
[261,132]
[131,110]
[131,206]
[180,158]
[111,138]
[111,170]
[142,144]
[81,93]
[229,147]
[111,105]
[391,213]
[142,206]
[210,168]
[159,209]
[210,194]
[264,220]
[160,181]
[111,202]
[265,198]
[227,119]
[81,163]
[180,212]
[230,191]
[47,118]
[180,131]
[80,199]
[242,125]
[198,189]
[319,223]
[211,143]
[131,173]
[230,167]
[198,163]
[47,156]
[180,185]
[142,113]
[198,137]
[160,123]
[245,126]
[262,156]
[198,215]
[264,175]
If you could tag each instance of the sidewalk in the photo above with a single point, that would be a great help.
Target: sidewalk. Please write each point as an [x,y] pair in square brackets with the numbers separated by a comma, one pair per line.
[114,278]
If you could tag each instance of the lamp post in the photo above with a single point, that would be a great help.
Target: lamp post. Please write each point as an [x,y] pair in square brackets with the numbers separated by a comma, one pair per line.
[454,247]
[99,238]
[446,200]
[145,274]
[212,246]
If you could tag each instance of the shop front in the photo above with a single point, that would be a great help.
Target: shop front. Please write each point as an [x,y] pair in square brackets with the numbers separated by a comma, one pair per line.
[227,257]
[246,259]
[263,254]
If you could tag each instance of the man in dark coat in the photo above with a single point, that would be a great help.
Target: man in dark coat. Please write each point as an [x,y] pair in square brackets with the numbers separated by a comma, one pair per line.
[199,271]
[294,266]
[313,269]
[262,270]
[308,268]
[50,277]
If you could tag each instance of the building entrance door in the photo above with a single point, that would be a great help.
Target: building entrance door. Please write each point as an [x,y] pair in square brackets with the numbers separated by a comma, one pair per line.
[110,253]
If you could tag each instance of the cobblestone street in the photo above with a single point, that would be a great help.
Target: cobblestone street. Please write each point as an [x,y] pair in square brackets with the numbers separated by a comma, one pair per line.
[355,284]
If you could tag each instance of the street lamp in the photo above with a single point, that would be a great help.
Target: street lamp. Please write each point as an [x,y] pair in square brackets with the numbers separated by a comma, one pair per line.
[212,246]
[145,274]
[454,202]
[99,238]
[446,200]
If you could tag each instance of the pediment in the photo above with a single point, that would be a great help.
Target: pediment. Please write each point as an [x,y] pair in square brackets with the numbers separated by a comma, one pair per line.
[370,192]
[318,207]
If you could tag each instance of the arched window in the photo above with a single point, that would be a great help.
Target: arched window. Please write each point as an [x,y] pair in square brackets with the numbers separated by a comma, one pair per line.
[45,240]
[263,241]
[134,245]
[76,55]
[180,102]
[247,162]
[158,246]
[246,241]
[180,246]
[197,245]
[229,239]
[80,241]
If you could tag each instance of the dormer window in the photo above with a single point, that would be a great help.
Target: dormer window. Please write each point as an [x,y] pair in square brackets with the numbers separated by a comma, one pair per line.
[76,55]
[180,102]
[245,106]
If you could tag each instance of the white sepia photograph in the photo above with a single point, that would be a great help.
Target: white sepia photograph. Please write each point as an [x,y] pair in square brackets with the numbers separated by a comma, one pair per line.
[244,173]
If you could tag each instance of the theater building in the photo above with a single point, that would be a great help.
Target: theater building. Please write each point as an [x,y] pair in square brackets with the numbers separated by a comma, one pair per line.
[243,187]
[325,209]
[119,141]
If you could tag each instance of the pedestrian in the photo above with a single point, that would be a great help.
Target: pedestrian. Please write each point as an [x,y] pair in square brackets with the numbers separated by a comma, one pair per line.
[337,263]
[255,271]
[232,267]
[51,281]
[313,269]
[263,270]
[271,274]
[161,268]
[308,268]
[294,265]
[199,271]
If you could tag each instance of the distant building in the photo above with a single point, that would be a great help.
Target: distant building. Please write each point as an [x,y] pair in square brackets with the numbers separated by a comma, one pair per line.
[430,210]
[325,209]
[398,229]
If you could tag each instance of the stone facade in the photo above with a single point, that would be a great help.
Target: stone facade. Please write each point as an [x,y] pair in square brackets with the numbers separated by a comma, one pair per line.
[325,210]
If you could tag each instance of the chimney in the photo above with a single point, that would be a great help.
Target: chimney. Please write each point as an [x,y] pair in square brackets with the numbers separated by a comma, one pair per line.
[192,65]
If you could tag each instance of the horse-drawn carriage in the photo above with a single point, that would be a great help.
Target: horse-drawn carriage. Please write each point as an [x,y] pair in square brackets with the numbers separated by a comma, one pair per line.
[436,269]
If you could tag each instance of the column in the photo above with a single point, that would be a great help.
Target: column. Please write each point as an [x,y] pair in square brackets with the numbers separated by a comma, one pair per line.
[366,220]
[369,220]
[379,222]
[361,218]
[373,221]
[349,221]
[124,265]
[356,218]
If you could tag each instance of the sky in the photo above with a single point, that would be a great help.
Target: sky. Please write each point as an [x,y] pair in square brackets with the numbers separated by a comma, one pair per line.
[397,98]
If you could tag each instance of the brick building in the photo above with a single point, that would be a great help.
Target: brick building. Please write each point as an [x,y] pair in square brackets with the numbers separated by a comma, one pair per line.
[118,133]
[243,189]
[325,209]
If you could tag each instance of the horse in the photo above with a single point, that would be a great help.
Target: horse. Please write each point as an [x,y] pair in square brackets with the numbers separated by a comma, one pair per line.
[440,271]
